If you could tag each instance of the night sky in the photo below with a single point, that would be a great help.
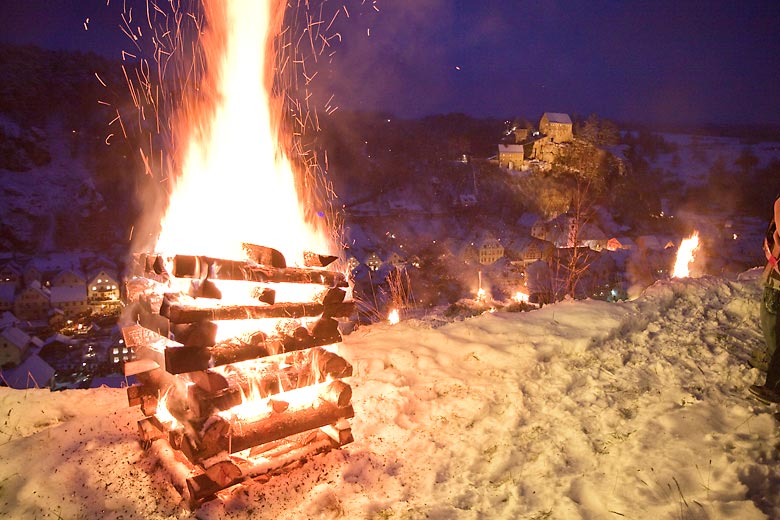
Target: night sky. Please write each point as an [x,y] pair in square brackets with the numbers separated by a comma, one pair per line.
[688,62]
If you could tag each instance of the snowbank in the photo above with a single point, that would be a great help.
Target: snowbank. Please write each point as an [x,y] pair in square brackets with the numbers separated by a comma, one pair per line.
[577,410]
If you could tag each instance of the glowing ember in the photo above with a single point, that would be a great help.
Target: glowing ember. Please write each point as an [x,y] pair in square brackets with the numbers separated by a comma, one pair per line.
[237,183]
[685,256]
[393,317]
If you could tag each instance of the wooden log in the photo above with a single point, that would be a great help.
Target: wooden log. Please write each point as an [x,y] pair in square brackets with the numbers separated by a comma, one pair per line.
[221,436]
[140,366]
[179,360]
[187,313]
[276,458]
[149,405]
[199,334]
[216,477]
[214,392]
[337,392]
[201,267]
[135,393]
[150,429]
[315,260]
[264,255]
[333,295]
[297,275]
[340,432]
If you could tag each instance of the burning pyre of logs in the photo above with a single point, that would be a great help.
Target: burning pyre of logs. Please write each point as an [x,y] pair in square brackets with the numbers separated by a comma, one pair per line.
[236,363]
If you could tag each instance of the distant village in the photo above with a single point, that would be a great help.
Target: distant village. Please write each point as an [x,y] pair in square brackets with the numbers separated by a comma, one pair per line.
[57,317]
[520,261]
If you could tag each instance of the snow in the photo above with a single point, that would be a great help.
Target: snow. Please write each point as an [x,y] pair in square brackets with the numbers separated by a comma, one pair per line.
[579,409]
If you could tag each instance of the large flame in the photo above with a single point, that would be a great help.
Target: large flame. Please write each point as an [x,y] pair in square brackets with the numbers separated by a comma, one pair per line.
[685,256]
[236,182]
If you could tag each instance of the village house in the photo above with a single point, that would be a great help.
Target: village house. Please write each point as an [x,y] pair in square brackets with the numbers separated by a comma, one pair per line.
[529,250]
[13,345]
[590,236]
[511,156]
[120,354]
[396,260]
[32,303]
[556,129]
[374,262]
[486,250]
[352,263]
[102,290]
[10,274]
[72,301]
[68,278]
[561,230]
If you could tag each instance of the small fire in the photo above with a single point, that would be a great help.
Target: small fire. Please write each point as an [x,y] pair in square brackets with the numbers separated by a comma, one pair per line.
[520,297]
[685,256]
[393,317]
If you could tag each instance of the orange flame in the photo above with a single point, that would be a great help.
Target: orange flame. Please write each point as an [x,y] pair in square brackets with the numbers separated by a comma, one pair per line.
[393,317]
[685,256]
[236,182]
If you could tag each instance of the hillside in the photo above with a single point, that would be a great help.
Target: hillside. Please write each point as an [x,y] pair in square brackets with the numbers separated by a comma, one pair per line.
[578,410]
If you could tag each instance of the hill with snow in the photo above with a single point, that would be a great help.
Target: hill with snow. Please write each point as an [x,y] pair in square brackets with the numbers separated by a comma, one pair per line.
[582,409]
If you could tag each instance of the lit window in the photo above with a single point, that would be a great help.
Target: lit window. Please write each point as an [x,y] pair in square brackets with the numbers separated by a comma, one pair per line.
[116,359]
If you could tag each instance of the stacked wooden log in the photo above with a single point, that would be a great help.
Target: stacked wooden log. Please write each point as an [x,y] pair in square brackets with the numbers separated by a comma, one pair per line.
[193,389]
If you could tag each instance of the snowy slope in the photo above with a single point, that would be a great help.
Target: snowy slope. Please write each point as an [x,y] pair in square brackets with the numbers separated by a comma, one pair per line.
[32,201]
[578,410]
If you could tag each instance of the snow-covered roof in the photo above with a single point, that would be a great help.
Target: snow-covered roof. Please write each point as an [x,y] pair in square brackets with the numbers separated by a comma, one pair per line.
[510,148]
[33,372]
[68,294]
[16,336]
[7,319]
[558,117]
[102,274]
[64,274]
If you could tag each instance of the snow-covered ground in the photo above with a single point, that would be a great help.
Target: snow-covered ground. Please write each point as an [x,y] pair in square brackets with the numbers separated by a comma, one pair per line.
[577,410]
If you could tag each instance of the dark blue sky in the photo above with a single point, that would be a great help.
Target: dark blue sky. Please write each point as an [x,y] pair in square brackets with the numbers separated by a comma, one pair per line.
[679,61]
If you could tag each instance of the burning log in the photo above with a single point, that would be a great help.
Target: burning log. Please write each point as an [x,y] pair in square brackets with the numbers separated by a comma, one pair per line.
[222,435]
[202,267]
[276,458]
[179,360]
[196,391]
[213,391]
[184,313]
[264,255]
